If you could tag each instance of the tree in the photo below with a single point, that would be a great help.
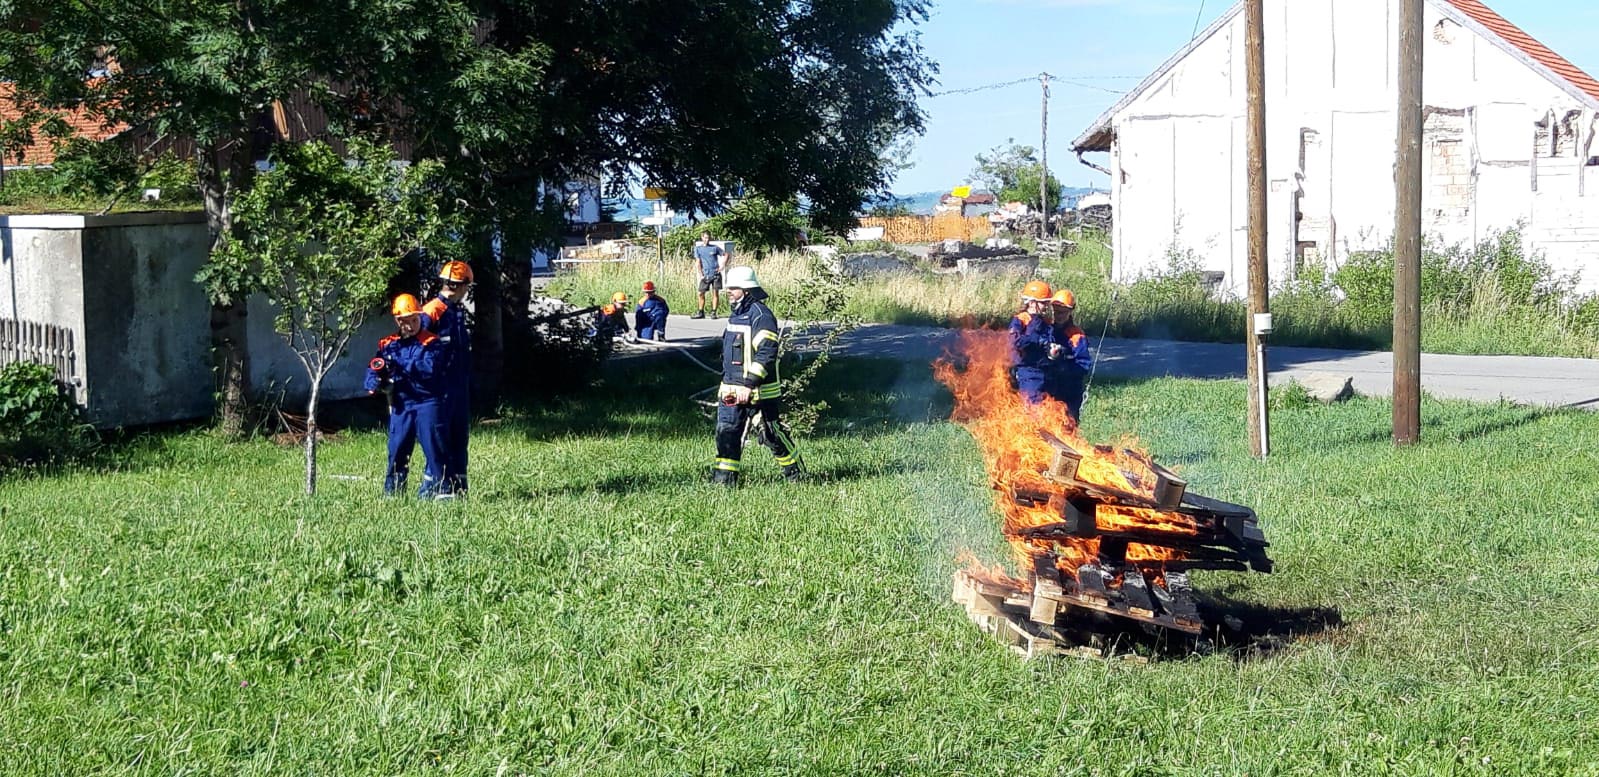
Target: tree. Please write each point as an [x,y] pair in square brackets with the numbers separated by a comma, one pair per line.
[321,238]
[706,98]
[513,98]
[208,72]
[1011,173]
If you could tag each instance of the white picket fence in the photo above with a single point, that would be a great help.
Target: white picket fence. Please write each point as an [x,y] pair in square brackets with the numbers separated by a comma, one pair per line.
[29,341]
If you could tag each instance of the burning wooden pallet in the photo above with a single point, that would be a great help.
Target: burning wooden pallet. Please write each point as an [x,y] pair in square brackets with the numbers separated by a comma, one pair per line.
[1066,596]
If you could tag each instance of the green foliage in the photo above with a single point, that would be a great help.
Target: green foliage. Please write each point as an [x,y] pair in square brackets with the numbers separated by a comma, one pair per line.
[822,295]
[94,168]
[176,178]
[755,224]
[39,419]
[1011,172]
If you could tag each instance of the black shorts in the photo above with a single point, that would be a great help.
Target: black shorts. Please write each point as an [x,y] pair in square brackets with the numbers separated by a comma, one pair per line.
[710,282]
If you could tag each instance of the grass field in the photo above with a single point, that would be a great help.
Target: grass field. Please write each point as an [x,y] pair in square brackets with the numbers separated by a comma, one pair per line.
[597,609]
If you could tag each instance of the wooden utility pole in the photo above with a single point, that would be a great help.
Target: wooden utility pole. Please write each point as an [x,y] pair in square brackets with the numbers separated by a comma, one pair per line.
[1259,302]
[1407,229]
[1043,155]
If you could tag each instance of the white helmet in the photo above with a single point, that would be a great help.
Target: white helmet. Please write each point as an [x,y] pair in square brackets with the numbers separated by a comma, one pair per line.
[741,277]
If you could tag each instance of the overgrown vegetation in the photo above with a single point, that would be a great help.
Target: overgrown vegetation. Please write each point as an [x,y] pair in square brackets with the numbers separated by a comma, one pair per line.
[40,422]
[595,611]
[1485,299]
[91,177]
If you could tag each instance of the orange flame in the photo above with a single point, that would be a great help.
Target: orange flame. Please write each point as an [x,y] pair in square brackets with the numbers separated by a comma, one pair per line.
[1017,456]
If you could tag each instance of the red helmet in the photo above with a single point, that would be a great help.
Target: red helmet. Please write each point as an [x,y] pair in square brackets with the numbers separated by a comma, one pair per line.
[456,272]
[649,287]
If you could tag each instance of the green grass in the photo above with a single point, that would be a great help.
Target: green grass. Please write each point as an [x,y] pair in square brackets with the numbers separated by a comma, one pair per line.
[597,609]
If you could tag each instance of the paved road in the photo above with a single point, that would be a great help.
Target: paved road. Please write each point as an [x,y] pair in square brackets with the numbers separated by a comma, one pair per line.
[1522,379]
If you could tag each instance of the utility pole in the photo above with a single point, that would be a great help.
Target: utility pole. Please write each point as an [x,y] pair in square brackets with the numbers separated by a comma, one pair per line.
[1407,229]
[1043,154]
[1259,302]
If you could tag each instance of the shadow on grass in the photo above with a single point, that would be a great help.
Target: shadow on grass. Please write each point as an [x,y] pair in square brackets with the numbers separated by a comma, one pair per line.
[1456,428]
[698,473]
[1249,631]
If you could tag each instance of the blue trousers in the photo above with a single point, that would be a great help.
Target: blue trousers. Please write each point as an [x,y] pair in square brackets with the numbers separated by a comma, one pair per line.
[1068,389]
[457,423]
[422,422]
[1032,384]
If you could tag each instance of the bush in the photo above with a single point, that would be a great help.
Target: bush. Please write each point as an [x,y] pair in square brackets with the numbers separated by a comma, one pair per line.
[176,178]
[87,167]
[39,421]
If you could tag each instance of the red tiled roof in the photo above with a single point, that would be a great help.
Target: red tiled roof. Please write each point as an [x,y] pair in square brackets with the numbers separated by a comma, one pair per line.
[1517,37]
[41,152]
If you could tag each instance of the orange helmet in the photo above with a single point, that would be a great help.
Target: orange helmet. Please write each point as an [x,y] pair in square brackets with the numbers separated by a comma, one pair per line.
[1064,298]
[405,305]
[456,272]
[619,298]
[1036,291]
[649,286]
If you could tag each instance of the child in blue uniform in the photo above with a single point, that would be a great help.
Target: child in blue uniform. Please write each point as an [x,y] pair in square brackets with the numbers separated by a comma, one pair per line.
[406,368]
[445,316]
[1071,355]
[1031,339]
[650,318]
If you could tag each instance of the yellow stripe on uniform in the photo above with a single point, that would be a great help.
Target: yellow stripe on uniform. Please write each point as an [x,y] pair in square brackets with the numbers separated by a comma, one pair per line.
[765,334]
[727,465]
[756,368]
[787,461]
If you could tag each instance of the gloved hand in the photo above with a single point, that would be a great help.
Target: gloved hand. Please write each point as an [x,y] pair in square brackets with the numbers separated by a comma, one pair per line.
[1055,350]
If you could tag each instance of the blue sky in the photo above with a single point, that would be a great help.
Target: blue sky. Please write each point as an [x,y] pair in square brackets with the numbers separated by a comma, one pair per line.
[1103,45]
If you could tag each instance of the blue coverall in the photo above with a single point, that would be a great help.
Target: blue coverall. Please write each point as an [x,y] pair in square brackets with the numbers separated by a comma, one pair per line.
[650,318]
[415,410]
[1068,371]
[1030,338]
[447,319]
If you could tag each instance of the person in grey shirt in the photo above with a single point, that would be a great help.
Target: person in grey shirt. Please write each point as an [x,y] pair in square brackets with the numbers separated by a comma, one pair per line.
[709,260]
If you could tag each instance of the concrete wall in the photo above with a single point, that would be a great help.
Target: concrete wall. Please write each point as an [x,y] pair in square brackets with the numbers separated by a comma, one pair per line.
[124,285]
[1178,161]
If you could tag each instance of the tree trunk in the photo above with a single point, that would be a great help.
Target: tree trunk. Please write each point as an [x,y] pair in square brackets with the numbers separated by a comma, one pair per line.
[488,334]
[310,437]
[229,351]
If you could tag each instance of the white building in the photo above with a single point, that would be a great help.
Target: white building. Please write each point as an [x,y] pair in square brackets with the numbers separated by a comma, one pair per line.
[1509,137]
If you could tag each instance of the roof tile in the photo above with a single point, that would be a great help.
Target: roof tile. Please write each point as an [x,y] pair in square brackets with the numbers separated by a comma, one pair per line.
[1517,37]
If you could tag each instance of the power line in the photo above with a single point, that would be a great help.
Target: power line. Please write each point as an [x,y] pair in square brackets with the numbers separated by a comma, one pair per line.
[1074,81]
[1197,17]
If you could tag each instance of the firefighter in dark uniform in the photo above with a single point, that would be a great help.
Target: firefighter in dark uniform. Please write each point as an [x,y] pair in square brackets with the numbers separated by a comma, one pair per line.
[445,316]
[752,389]
[1071,355]
[1030,339]
[406,369]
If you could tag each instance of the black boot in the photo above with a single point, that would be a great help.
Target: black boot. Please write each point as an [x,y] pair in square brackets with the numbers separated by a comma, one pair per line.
[794,473]
[723,477]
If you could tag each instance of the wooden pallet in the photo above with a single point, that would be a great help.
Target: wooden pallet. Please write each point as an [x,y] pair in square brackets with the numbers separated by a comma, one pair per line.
[1040,622]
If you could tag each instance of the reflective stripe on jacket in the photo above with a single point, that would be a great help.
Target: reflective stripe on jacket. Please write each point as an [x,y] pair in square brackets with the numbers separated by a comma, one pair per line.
[749,348]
